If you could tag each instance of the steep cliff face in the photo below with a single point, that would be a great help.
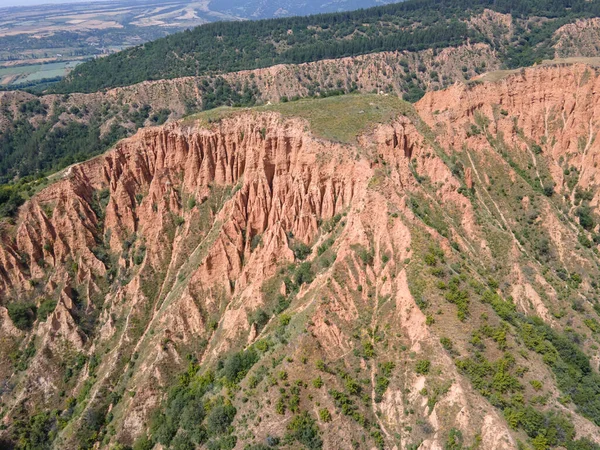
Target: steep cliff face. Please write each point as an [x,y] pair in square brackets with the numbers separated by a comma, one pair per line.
[545,135]
[314,293]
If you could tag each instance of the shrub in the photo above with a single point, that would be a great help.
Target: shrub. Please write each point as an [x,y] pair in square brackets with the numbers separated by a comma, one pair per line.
[192,415]
[585,217]
[303,274]
[272,441]
[10,200]
[304,430]
[549,190]
[329,225]
[301,250]
[343,402]
[92,422]
[259,318]
[255,242]
[219,419]
[368,350]
[592,324]
[282,304]
[366,256]
[143,443]
[381,385]
[459,297]
[352,386]
[583,240]
[46,308]
[387,368]
[164,430]
[454,441]
[536,384]
[280,406]
[505,309]
[294,403]
[423,366]
[430,259]
[378,438]
[35,433]
[284,320]
[325,415]
[182,442]
[325,246]
[446,343]
[237,365]
[139,255]
[21,314]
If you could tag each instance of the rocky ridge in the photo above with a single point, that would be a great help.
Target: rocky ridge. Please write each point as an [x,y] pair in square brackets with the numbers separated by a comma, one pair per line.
[399,270]
[368,73]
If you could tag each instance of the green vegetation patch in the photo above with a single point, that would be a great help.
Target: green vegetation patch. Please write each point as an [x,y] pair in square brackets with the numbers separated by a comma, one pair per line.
[339,118]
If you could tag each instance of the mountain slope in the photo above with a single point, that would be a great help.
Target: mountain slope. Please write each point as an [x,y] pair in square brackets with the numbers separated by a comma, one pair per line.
[394,276]
[33,123]
[44,133]
[412,25]
[37,41]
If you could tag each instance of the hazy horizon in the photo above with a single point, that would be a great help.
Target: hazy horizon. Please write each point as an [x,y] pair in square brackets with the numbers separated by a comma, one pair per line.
[9,3]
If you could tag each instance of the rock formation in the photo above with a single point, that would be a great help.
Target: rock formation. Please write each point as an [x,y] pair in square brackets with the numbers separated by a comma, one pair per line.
[386,287]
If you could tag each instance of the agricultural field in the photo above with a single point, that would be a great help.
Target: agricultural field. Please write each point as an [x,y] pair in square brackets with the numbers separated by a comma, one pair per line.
[29,73]
[47,41]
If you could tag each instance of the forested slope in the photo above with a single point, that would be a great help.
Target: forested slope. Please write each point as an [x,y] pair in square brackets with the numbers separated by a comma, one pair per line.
[412,25]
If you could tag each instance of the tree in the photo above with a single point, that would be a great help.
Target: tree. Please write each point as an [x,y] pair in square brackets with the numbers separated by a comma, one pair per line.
[219,419]
[585,217]
[21,314]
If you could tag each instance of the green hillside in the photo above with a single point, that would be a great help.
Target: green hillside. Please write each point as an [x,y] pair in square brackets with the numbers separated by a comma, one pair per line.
[412,25]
